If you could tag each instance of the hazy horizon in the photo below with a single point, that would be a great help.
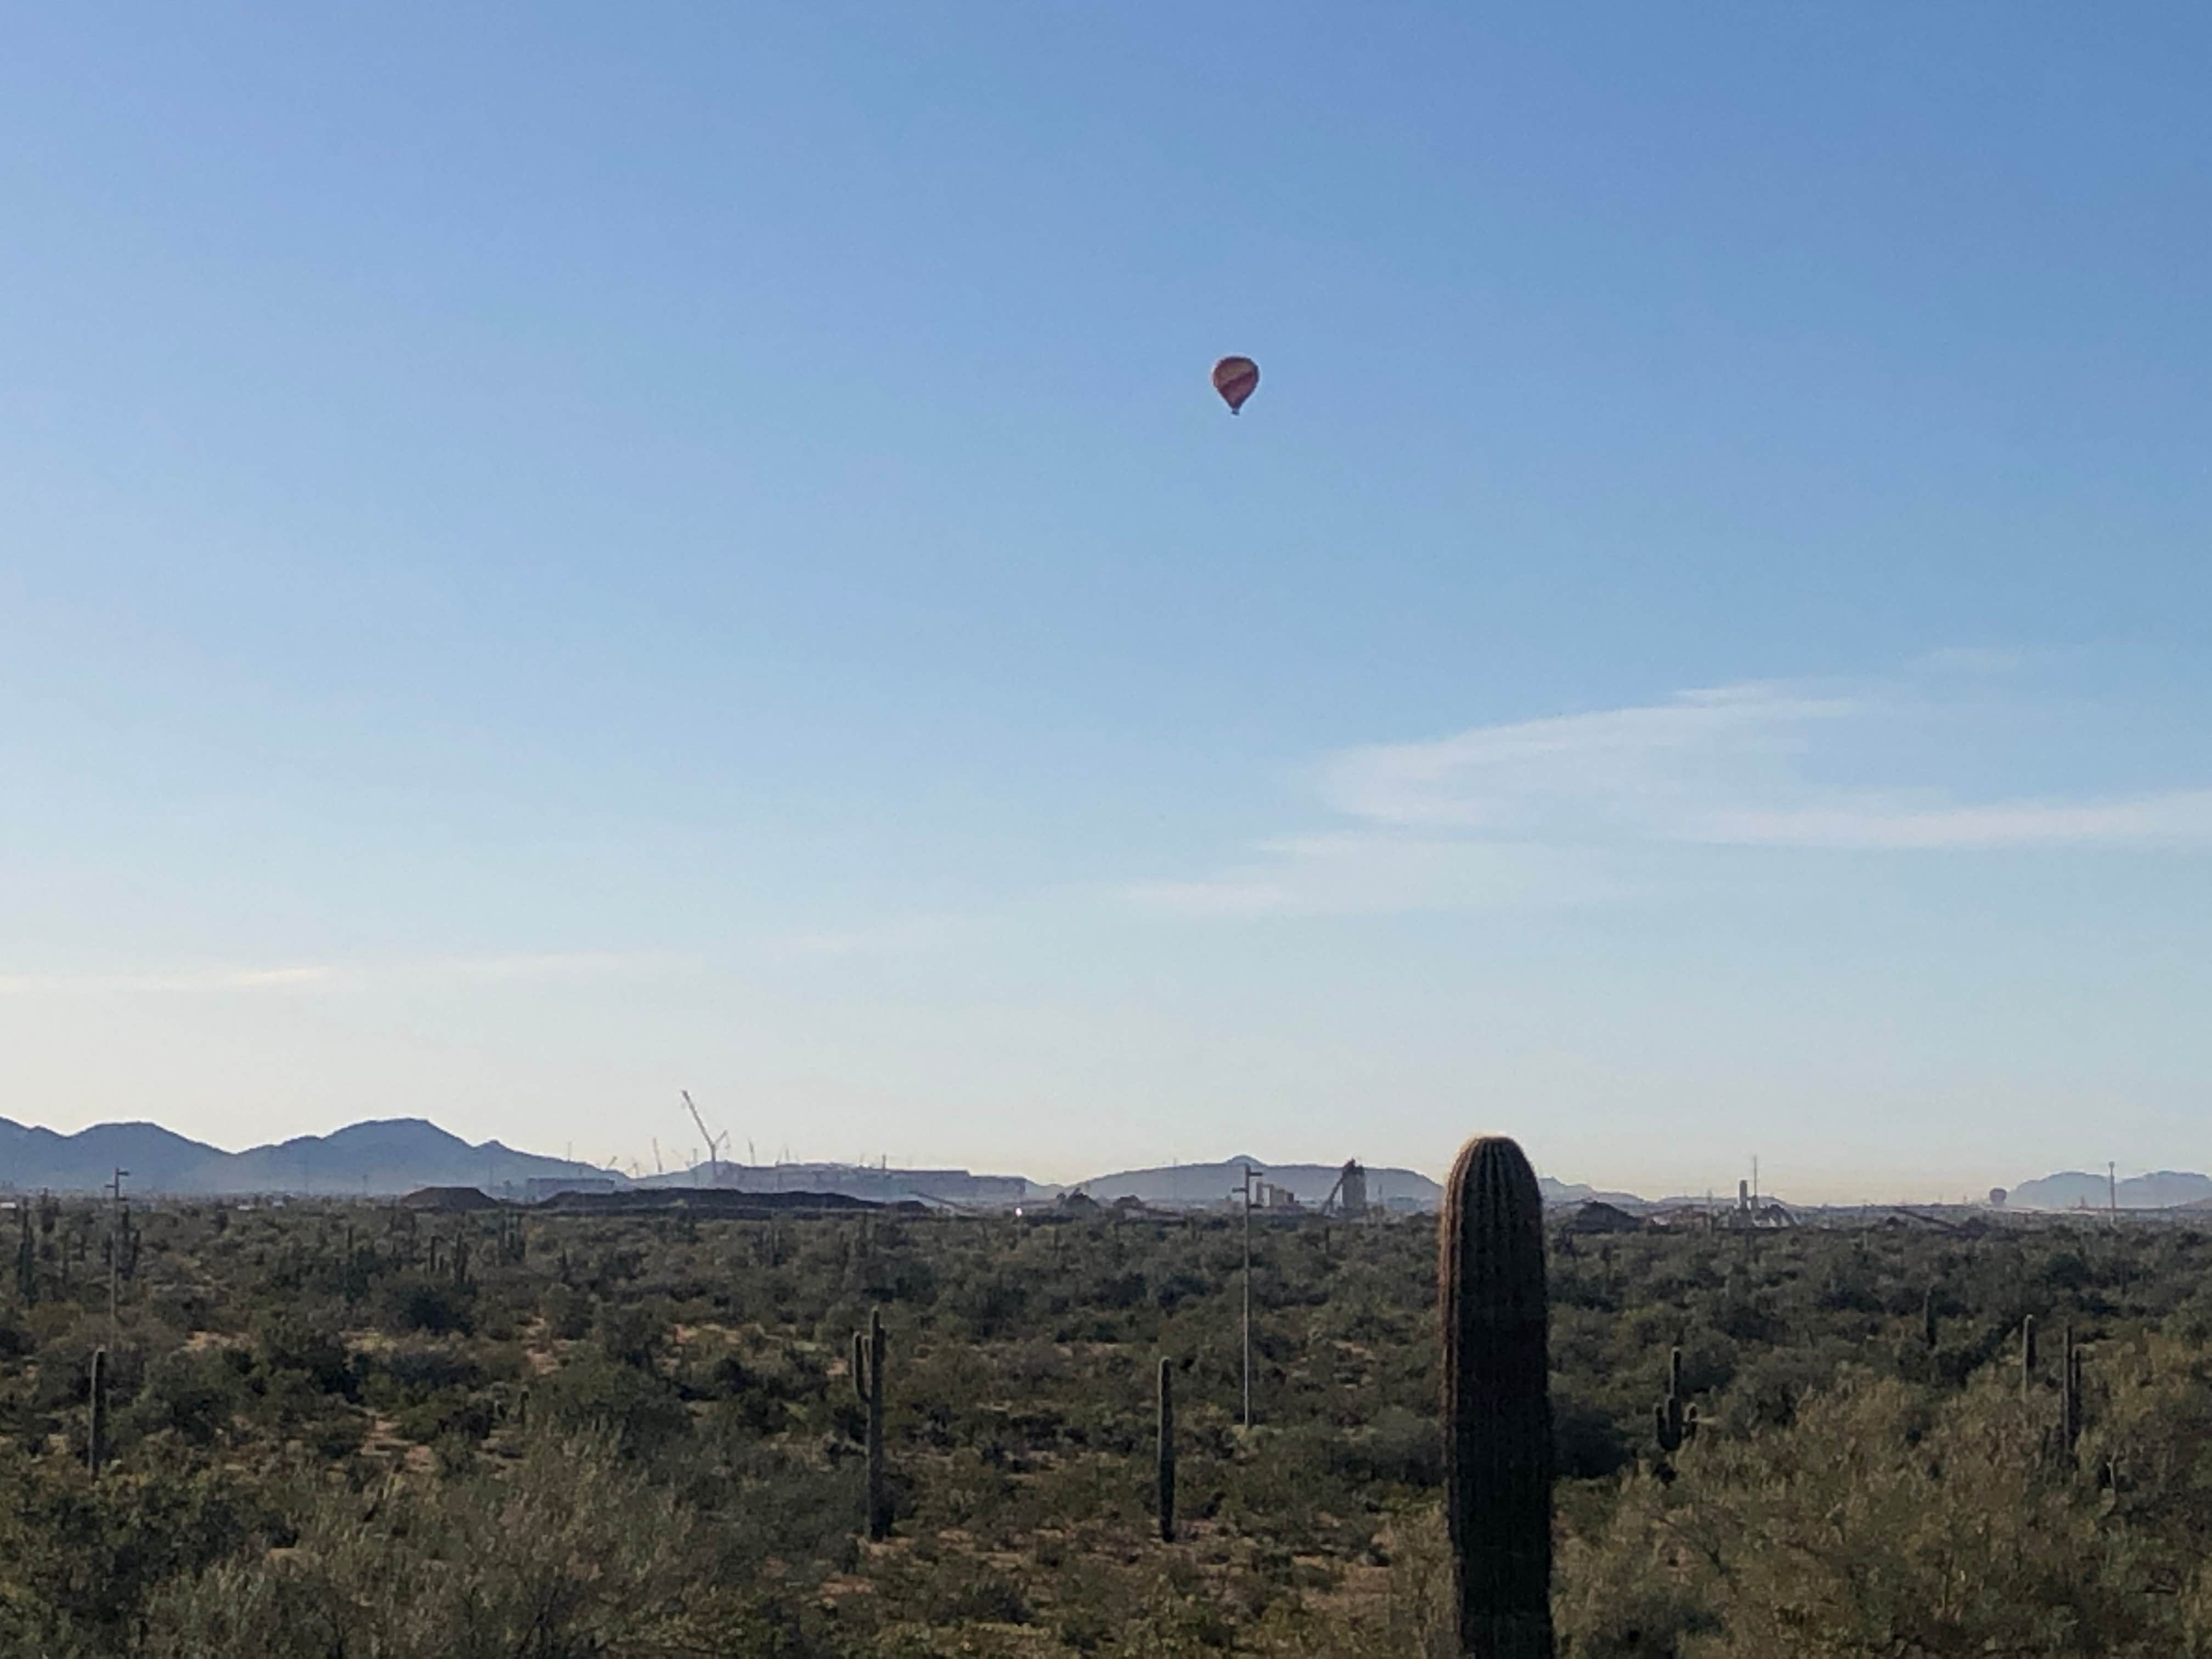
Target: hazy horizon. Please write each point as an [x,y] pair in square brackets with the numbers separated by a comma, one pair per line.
[677,1159]
[551,560]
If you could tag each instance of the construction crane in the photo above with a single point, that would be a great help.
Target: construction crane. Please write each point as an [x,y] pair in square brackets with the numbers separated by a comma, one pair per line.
[1348,1198]
[657,1167]
[714,1163]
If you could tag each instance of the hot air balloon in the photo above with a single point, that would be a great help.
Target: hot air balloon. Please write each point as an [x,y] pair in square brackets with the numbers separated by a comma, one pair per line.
[1235,379]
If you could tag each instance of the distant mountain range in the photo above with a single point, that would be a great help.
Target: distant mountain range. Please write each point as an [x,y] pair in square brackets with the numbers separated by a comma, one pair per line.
[1186,1185]
[1563,1192]
[2074,1189]
[398,1155]
[394,1155]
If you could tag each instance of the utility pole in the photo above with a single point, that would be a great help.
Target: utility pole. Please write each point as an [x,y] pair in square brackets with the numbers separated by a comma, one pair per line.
[115,1256]
[1248,1173]
[2112,1192]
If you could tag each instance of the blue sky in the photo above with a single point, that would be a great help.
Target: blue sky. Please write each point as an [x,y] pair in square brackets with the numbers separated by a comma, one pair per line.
[549,555]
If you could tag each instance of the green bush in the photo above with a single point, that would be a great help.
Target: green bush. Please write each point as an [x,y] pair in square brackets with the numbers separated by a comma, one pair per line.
[593,1394]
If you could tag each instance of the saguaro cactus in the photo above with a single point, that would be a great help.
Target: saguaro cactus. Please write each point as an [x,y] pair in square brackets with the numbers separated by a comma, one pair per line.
[2027,1356]
[1167,1453]
[2069,1393]
[1675,1419]
[95,1443]
[1497,1402]
[868,1352]
[26,1259]
[1928,1319]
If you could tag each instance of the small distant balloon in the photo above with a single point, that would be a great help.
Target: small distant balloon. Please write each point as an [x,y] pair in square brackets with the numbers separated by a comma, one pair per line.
[1235,379]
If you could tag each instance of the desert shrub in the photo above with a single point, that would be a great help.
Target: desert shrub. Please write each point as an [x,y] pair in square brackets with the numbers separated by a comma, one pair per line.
[988,1306]
[420,1368]
[983,1597]
[1399,1446]
[290,1343]
[571,1555]
[568,1312]
[429,1305]
[191,1393]
[1841,1537]
[632,1332]
[79,1560]
[1590,1443]
[593,1394]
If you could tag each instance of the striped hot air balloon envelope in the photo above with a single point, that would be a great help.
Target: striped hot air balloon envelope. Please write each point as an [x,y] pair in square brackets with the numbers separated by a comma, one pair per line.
[1235,379]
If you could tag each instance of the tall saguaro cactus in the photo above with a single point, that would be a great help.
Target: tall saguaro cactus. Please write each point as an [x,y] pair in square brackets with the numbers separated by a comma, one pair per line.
[868,1352]
[1675,1419]
[1497,1402]
[26,1259]
[1167,1482]
[95,1441]
[2027,1356]
[2069,1393]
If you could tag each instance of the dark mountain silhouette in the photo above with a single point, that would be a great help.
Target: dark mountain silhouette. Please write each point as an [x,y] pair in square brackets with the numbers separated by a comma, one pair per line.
[2074,1190]
[395,1155]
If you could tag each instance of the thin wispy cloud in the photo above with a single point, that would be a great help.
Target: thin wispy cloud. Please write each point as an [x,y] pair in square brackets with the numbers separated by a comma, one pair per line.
[550,964]
[186,981]
[895,936]
[2177,818]
[219,978]
[1365,873]
[1974,659]
[1527,812]
[1584,776]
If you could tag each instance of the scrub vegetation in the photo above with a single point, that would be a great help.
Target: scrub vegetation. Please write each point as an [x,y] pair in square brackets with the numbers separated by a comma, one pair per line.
[352,1430]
